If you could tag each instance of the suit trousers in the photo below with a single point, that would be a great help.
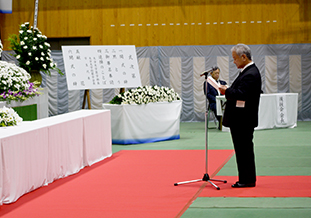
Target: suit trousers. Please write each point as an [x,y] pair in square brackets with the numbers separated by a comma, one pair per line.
[242,138]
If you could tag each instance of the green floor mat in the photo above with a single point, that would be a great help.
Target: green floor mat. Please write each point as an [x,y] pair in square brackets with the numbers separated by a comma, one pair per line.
[249,207]
[277,161]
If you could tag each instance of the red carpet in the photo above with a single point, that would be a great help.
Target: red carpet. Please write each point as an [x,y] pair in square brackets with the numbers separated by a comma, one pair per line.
[129,184]
[266,186]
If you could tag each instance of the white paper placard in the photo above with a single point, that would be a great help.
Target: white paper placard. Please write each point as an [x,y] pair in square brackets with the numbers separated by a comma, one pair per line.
[99,67]
[281,110]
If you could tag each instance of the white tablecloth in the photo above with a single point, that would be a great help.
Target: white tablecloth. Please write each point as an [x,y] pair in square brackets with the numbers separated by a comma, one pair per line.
[145,123]
[38,152]
[275,110]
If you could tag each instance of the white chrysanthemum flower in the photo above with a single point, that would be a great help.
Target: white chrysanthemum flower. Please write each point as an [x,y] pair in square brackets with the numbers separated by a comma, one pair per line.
[30,42]
[17,86]
[148,94]
[28,62]
[8,117]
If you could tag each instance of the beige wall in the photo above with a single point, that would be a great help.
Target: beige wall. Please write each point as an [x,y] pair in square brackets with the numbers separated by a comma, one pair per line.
[166,22]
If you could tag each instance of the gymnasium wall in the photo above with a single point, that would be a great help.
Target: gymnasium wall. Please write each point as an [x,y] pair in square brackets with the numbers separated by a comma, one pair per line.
[166,22]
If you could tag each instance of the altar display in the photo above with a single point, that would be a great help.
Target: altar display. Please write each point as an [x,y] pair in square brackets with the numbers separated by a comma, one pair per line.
[20,85]
[15,90]
[144,115]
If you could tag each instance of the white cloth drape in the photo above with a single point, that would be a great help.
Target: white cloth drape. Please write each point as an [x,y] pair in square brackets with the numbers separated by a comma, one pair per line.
[271,74]
[223,64]
[132,124]
[284,68]
[38,152]
[144,65]
[295,77]
[198,94]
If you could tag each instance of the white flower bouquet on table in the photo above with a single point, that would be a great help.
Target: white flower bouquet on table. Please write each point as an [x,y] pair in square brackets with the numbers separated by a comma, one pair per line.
[8,117]
[145,95]
[14,83]
[32,50]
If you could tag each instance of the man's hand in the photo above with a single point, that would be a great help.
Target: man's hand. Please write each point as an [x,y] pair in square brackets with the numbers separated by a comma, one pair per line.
[223,89]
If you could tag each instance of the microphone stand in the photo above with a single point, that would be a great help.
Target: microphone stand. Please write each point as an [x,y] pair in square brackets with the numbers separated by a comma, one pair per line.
[206,177]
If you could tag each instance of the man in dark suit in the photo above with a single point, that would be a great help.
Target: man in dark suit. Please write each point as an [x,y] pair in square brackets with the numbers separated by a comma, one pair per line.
[241,113]
[211,92]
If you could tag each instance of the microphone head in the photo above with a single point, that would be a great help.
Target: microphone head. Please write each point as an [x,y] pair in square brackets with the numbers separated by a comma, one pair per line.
[206,72]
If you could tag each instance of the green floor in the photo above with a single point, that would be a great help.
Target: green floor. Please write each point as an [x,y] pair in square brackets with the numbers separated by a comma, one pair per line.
[278,152]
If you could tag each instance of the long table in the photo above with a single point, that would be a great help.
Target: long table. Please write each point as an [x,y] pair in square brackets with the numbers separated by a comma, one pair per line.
[35,153]
[277,110]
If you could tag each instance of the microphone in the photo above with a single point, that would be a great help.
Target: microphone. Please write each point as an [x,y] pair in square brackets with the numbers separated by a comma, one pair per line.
[206,72]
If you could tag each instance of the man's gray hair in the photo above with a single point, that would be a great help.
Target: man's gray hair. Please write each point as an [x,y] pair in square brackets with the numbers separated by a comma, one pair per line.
[241,49]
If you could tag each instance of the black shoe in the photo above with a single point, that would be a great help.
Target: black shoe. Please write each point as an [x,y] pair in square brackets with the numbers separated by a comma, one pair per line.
[243,185]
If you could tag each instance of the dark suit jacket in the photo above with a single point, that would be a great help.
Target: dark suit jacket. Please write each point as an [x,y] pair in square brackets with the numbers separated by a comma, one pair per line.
[246,87]
[211,94]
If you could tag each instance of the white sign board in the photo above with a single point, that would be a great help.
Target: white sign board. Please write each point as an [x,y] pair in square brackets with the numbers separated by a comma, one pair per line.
[99,67]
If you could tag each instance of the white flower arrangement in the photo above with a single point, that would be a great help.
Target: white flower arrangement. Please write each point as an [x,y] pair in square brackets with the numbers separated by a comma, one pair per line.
[145,95]
[8,117]
[32,50]
[14,83]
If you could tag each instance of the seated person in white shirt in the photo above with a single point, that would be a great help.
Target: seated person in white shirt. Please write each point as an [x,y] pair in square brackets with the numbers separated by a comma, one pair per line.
[211,92]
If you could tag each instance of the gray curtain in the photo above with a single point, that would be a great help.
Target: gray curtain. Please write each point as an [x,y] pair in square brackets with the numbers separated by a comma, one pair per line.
[284,68]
